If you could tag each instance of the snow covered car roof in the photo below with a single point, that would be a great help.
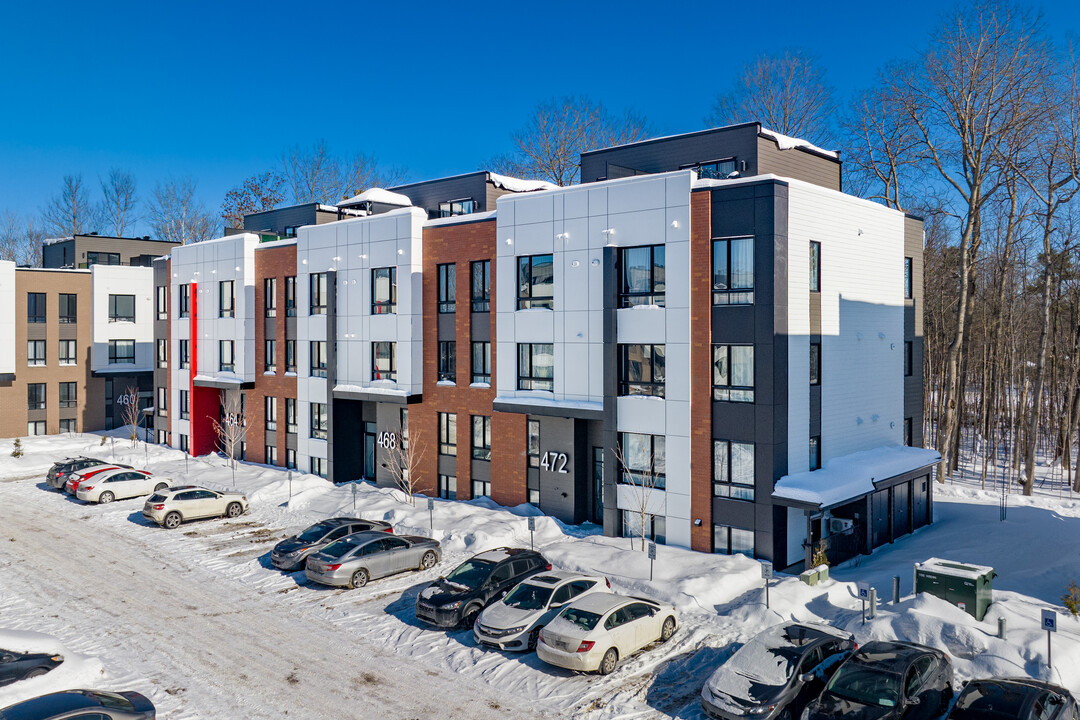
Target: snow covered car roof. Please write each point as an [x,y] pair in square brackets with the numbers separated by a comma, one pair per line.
[551,578]
[601,603]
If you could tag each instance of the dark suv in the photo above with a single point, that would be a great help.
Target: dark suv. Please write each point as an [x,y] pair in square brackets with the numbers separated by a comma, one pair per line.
[59,472]
[456,600]
[292,552]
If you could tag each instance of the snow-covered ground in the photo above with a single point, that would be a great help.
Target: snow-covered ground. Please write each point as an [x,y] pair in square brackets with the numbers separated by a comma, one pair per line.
[200,621]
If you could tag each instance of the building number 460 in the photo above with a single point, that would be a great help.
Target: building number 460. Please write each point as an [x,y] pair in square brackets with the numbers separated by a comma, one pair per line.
[554,462]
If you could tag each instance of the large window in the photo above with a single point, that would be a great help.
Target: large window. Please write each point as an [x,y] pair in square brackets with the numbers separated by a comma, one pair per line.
[815,266]
[270,411]
[532,443]
[318,420]
[448,487]
[184,405]
[67,425]
[447,360]
[481,362]
[291,425]
[270,453]
[161,302]
[226,299]
[69,395]
[163,401]
[644,460]
[729,540]
[447,433]
[35,352]
[481,488]
[536,366]
[733,373]
[716,170]
[384,291]
[481,286]
[317,466]
[270,297]
[641,370]
[733,271]
[452,208]
[641,277]
[481,437]
[122,352]
[290,296]
[69,305]
[102,258]
[121,308]
[317,293]
[35,427]
[908,294]
[290,356]
[384,361]
[290,458]
[35,396]
[733,470]
[318,358]
[654,529]
[226,357]
[270,356]
[536,282]
[815,363]
[67,352]
[185,354]
[35,307]
[446,276]
[185,300]
[162,353]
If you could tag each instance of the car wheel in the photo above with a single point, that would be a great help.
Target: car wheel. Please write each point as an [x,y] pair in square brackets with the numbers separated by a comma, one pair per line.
[667,630]
[106,497]
[160,486]
[36,672]
[609,661]
[534,636]
[468,618]
[173,520]
[428,561]
[359,579]
[234,510]
[785,715]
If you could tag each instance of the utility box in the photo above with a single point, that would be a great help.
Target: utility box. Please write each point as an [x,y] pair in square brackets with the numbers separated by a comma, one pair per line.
[968,587]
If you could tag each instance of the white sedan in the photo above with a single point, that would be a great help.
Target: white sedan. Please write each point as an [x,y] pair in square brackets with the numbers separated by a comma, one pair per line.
[514,622]
[104,487]
[597,631]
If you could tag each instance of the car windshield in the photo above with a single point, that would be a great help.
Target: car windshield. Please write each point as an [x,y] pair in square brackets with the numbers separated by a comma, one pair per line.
[979,699]
[111,700]
[156,498]
[313,533]
[866,685]
[759,662]
[339,548]
[471,573]
[582,618]
[528,597]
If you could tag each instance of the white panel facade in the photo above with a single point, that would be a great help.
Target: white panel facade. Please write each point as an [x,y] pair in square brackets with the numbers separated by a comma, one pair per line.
[7,319]
[106,280]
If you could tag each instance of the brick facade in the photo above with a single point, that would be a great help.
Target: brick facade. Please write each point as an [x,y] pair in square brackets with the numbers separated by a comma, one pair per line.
[701,464]
[275,262]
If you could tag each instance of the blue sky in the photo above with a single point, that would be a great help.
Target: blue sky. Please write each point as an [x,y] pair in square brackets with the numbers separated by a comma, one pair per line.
[217,91]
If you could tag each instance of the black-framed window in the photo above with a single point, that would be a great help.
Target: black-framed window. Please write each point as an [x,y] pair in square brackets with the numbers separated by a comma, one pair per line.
[448,487]
[270,412]
[532,442]
[270,356]
[536,366]
[733,373]
[715,169]
[815,266]
[729,540]
[226,299]
[183,441]
[270,454]
[69,306]
[644,460]
[908,294]
[35,353]
[122,352]
[453,208]
[908,432]
[641,370]
[384,361]
[481,488]
[536,282]
[815,363]
[163,353]
[317,355]
[121,308]
[290,356]
[185,354]
[733,470]
[317,293]
[908,369]
[290,231]
[226,355]
[815,452]
[290,296]
[403,422]
[35,307]
[162,401]
[317,466]
[185,411]
[35,396]
[481,362]
[69,395]
[481,437]
[446,277]
[185,300]
[102,258]
[448,360]
[290,458]
[384,291]
[270,297]
[317,425]
[447,433]
[291,425]
[654,530]
[480,285]
[642,275]
[733,271]
[67,354]
[161,302]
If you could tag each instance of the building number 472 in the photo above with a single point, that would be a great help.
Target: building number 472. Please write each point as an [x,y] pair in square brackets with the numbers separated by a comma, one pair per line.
[554,462]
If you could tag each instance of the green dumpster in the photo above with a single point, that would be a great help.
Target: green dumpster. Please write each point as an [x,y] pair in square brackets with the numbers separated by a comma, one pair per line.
[966,586]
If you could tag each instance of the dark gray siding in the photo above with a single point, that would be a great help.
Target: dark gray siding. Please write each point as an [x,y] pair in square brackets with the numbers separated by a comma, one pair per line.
[58,255]
[430,193]
[161,332]
[799,164]
[129,249]
[275,221]
[913,329]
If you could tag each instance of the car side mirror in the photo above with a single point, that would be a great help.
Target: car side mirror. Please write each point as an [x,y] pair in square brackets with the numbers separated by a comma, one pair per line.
[913,701]
[553,606]
[7,658]
[806,677]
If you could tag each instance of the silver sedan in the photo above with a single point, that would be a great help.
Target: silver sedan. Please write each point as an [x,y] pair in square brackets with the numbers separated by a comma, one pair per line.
[357,558]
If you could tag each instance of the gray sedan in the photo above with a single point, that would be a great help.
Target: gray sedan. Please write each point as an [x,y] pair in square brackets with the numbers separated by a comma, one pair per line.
[357,558]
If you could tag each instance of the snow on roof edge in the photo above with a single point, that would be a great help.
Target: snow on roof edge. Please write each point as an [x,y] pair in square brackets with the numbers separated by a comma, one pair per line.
[850,476]
[378,195]
[786,142]
[518,185]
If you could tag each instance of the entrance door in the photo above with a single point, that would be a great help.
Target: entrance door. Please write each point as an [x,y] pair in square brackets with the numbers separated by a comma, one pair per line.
[920,501]
[880,517]
[369,451]
[902,508]
[598,485]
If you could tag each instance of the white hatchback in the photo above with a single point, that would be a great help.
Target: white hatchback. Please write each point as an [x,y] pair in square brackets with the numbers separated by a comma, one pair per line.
[109,485]
[594,633]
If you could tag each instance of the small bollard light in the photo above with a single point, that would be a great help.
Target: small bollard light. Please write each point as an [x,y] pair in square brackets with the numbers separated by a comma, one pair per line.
[896,589]
[872,604]
[1001,628]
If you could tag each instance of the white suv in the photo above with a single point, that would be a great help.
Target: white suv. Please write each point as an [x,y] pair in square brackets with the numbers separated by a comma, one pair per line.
[175,505]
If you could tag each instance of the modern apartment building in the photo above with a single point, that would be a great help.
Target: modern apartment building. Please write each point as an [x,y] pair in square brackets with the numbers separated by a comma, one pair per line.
[713,346]
[83,251]
[75,346]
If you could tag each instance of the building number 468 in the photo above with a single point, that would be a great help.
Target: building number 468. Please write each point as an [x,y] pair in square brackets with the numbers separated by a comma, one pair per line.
[387,440]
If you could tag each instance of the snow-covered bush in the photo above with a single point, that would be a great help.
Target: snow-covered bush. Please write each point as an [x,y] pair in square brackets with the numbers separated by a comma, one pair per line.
[17,449]
[1071,598]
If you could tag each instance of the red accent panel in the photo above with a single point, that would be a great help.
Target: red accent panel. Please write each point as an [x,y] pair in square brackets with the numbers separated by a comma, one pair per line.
[204,401]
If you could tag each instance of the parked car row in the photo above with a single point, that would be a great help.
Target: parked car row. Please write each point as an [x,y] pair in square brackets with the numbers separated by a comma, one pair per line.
[82,705]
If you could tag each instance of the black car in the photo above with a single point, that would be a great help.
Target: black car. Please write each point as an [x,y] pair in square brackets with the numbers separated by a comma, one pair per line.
[291,553]
[20,666]
[776,673]
[887,681]
[460,596]
[1014,699]
[80,704]
[60,471]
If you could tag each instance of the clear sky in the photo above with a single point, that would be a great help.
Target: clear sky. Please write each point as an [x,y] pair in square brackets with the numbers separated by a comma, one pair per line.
[217,91]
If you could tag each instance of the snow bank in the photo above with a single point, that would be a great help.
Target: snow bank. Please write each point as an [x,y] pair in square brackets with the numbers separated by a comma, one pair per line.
[75,671]
[787,142]
[378,195]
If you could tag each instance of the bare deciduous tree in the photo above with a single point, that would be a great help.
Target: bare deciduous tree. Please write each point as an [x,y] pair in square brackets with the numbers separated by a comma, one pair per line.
[258,193]
[176,215]
[130,414]
[785,92]
[403,457]
[69,212]
[642,481]
[20,239]
[882,147]
[232,428]
[316,175]
[119,200]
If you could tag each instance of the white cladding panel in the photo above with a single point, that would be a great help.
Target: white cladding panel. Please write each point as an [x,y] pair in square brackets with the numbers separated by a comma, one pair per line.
[7,319]
[106,280]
